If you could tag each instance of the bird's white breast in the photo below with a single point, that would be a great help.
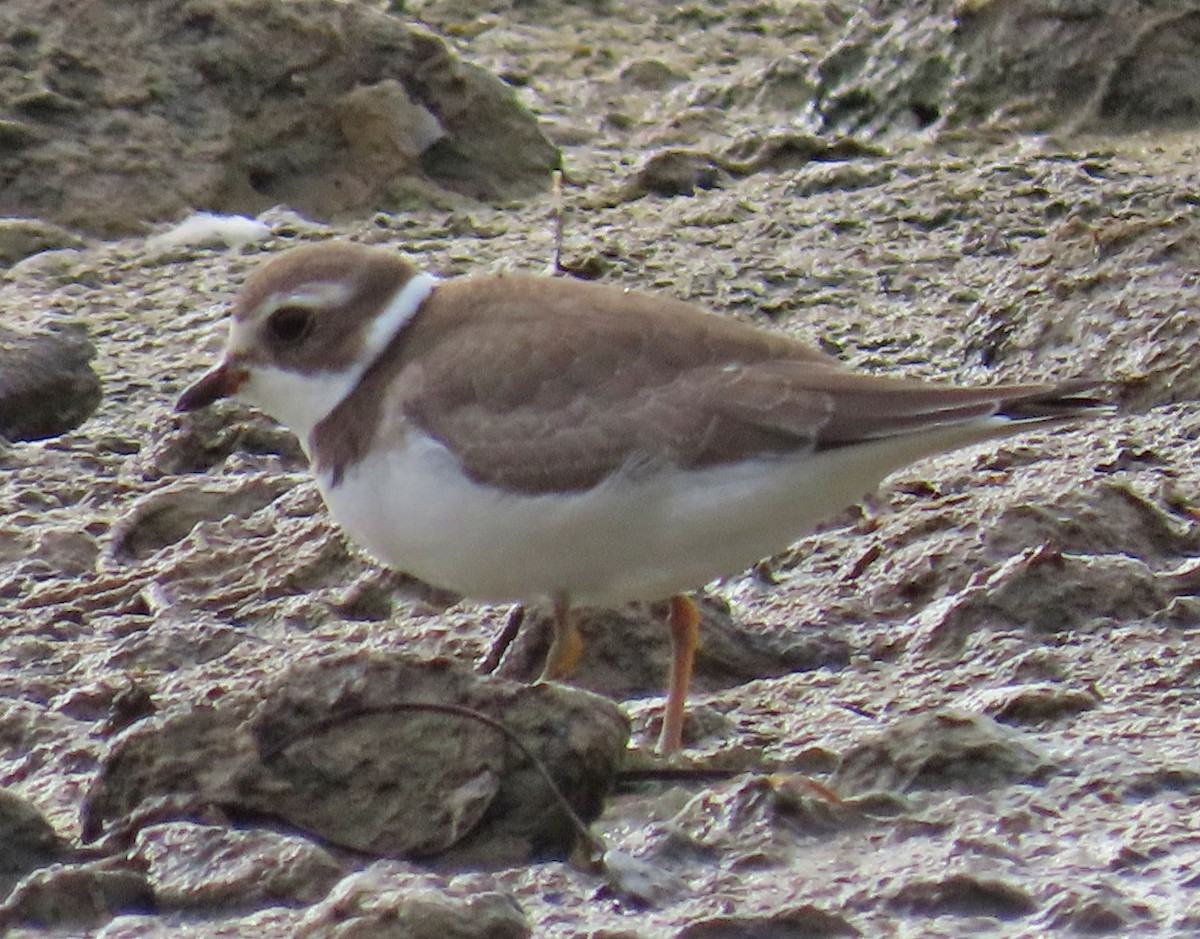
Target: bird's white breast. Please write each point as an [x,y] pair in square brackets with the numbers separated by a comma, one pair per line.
[643,537]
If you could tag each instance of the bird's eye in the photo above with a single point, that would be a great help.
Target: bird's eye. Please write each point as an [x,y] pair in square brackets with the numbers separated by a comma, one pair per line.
[289,324]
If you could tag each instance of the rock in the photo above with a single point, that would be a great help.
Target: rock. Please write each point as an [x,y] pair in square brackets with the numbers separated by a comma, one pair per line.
[678,171]
[1034,702]
[382,125]
[640,882]
[68,550]
[22,237]
[333,108]
[15,134]
[1173,777]
[1154,80]
[168,644]
[1046,592]
[337,748]
[166,515]
[1105,525]
[374,905]
[47,386]
[209,437]
[74,896]
[1029,65]
[444,785]
[779,152]
[1099,909]
[28,842]
[46,267]
[943,750]
[651,74]
[208,868]
[752,811]
[964,895]
[805,921]
[675,172]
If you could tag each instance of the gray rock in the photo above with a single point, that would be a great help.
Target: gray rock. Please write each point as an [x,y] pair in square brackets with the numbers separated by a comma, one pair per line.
[375,904]
[47,386]
[23,237]
[802,922]
[209,868]
[964,895]
[944,750]
[27,841]
[76,895]
[379,754]
[1031,65]
[333,108]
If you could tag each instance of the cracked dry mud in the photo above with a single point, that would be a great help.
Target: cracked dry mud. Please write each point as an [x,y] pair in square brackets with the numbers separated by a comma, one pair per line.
[995,663]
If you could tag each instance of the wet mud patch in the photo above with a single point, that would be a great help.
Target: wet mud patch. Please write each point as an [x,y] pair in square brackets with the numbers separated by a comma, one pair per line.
[1046,585]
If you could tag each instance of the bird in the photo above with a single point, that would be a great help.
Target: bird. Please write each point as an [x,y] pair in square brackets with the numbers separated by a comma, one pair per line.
[525,438]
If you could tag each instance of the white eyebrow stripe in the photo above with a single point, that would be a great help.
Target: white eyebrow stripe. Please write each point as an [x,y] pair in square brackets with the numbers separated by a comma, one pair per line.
[312,296]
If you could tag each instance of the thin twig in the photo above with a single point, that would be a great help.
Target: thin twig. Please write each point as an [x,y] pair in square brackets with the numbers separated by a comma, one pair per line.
[558,212]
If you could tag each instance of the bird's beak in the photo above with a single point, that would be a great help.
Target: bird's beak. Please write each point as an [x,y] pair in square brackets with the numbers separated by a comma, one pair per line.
[222,382]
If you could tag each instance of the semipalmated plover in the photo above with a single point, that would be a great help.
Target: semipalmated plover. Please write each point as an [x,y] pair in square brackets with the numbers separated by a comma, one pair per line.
[514,437]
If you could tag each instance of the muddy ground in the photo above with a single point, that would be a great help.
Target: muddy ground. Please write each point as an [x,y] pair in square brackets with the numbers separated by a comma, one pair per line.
[994,663]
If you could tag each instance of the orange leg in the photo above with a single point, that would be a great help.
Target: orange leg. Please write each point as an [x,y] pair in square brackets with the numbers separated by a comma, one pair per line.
[684,622]
[566,646]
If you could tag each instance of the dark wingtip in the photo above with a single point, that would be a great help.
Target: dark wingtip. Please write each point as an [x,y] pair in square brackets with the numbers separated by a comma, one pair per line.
[1075,398]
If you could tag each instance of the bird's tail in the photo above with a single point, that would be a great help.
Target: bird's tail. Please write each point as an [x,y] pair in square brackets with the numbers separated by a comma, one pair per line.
[1065,401]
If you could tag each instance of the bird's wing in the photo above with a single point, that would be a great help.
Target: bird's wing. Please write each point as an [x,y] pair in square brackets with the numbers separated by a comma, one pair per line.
[703,416]
[609,382]
[699,417]
[600,388]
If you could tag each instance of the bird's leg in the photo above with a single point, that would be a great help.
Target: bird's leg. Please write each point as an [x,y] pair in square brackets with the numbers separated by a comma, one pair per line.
[684,622]
[566,646]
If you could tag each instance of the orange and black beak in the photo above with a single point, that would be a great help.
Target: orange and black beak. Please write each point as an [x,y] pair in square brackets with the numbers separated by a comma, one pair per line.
[222,382]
